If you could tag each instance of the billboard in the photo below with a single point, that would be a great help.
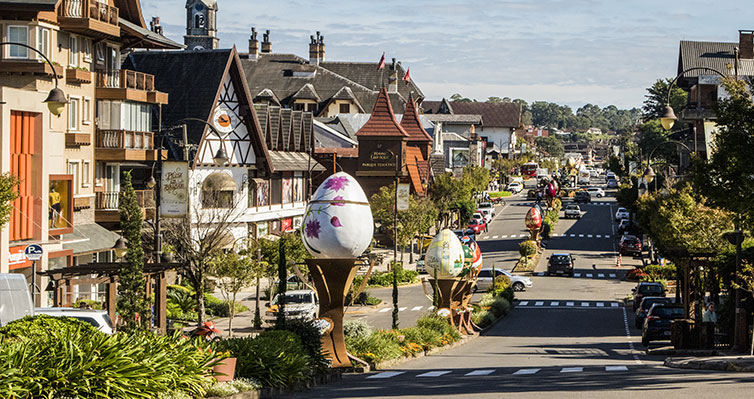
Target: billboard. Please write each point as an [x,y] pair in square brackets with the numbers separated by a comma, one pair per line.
[174,189]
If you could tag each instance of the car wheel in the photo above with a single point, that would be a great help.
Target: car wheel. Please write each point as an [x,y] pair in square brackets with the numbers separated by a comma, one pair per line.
[645,341]
[518,286]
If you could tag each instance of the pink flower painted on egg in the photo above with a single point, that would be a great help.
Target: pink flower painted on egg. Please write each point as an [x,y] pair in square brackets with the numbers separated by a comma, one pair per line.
[337,201]
[312,228]
[336,183]
[335,222]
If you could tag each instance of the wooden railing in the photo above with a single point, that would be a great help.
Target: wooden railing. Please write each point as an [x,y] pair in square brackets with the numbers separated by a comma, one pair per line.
[92,9]
[124,139]
[126,79]
[109,200]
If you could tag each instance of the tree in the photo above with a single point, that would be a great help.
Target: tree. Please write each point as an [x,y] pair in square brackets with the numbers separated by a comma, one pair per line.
[419,218]
[460,98]
[652,136]
[550,145]
[132,302]
[525,111]
[657,97]
[8,194]
[234,272]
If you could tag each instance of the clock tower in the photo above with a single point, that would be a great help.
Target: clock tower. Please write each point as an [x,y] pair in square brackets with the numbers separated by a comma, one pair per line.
[201,25]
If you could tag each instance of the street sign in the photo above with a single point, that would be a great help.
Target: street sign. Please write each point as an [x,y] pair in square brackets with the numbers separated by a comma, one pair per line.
[33,252]
[404,192]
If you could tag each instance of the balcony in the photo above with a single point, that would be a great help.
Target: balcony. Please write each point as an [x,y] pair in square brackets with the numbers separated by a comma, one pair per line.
[106,205]
[692,113]
[31,67]
[124,145]
[90,18]
[124,84]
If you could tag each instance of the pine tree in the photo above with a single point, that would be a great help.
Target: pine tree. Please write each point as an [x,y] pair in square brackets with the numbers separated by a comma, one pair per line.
[132,303]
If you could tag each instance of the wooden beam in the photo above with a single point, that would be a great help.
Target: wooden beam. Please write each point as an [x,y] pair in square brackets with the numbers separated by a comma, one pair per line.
[110,298]
[161,302]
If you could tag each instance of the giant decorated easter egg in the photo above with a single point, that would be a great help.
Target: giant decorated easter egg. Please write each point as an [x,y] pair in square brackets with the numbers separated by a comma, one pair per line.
[445,255]
[533,219]
[338,220]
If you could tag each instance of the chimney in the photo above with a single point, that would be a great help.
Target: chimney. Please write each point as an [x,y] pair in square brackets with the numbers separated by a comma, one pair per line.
[746,44]
[392,81]
[154,25]
[321,48]
[313,50]
[266,44]
[253,44]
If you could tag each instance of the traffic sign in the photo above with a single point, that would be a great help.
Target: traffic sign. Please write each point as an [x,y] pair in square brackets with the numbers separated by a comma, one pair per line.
[33,252]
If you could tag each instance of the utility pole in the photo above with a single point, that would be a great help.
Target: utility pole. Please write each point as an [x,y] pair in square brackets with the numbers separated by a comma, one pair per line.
[395,248]
[740,328]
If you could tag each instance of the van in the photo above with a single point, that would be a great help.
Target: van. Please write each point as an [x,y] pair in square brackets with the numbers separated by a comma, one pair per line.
[15,298]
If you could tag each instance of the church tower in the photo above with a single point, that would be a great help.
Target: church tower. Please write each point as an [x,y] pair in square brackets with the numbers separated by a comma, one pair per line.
[201,25]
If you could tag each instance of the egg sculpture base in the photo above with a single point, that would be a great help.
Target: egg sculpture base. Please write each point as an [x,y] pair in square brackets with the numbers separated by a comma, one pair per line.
[455,294]
[332,279]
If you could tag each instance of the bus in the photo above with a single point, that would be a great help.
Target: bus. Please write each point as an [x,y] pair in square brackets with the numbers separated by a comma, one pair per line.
[529,169]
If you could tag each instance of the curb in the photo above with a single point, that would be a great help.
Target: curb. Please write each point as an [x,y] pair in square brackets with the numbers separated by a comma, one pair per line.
[738,364]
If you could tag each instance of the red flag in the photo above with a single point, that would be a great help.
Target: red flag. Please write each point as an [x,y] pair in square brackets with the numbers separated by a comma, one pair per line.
[407,76]
[382,62]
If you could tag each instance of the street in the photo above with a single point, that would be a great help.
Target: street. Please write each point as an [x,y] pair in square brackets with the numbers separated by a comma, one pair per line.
[567,337]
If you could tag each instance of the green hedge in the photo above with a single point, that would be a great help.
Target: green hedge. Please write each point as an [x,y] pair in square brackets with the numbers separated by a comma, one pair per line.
[498,194]
[527,248]
[385,279]
[657,272]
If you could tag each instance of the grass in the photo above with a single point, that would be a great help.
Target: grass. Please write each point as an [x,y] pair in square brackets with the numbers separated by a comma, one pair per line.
[498,194]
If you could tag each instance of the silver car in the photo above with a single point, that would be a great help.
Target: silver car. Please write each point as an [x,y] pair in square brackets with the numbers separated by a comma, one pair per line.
[299,304]
[484,280]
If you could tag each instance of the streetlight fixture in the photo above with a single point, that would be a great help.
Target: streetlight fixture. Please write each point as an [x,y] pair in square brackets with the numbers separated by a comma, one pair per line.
[120,247]
[220,158]
[649,175]
[55,100]
[668,120]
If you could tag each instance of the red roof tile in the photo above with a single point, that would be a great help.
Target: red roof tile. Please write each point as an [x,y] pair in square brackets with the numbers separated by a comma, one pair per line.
[412,124]
[382,123]
[414,162]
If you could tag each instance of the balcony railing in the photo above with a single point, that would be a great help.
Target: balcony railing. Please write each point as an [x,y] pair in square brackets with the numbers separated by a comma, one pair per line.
[91,9]
[125,79]
[125,139]
[109,200]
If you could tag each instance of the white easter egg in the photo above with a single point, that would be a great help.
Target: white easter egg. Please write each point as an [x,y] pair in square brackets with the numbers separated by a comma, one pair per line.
[445,255]
[338,220]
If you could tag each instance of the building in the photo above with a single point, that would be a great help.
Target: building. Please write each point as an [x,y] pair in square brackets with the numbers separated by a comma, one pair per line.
[703,85]
[57,157]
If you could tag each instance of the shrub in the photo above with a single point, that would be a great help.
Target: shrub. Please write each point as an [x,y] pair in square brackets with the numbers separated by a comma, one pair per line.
[500,307]
[356,329]
[274,358]
[311,339]
[635,274]
[497,194]
[657,272]
[385,279]
[39,327]
[439,324]
[527,248]
[379,346]
[482,318]
[87,304]
[424,337]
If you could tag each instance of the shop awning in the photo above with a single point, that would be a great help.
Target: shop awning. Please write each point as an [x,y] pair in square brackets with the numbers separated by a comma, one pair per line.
[284,161]
[89,238]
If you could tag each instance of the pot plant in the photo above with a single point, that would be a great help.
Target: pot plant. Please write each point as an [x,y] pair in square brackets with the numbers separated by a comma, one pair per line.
[226,369]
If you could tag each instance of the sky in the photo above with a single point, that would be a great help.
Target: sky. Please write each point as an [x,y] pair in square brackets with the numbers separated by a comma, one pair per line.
[570,52]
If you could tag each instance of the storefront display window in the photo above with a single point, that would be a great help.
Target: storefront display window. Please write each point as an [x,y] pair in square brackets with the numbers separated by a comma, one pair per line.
[60,207]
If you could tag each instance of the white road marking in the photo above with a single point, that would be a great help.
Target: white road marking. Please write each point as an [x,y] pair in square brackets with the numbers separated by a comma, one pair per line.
[600,275]
[402,309]
[522,235]
[612,275]
[600,305]
[387,374]
[616,368]
[483,238]
[628,337]
[572,369]
[584,304]
[614,304]
[569,303]
[495,237]
[480,372]
[523,303]
[607,235]
[589,275]
[554,303]
[576,274]
[573,235]
[526,371]
[589,236]
[434,373]
[581,236]
[539,303]
[599,235]
[385,310]
[504,236]
[415,308]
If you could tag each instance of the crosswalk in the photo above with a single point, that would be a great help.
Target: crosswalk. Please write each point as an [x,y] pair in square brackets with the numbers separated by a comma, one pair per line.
[553,235]
[501,371]
[549,304]
[584,275]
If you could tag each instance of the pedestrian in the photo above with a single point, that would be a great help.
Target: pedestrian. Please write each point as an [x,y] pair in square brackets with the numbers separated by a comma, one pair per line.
[709,319]
[709,315]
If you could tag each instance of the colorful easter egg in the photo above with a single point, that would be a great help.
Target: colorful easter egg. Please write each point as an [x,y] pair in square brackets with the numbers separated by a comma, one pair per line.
[338,220]
[533,219]
[445,255]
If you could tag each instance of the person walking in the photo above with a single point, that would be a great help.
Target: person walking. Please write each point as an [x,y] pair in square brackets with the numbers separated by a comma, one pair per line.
[709,319]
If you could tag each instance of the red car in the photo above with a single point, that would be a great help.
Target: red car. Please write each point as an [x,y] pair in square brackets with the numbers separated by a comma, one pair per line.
[478,225]
[630,245]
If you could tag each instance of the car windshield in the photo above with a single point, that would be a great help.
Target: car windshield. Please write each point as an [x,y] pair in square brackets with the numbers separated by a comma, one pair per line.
[650,289]
[667,312]
[648,302]
[295,298]
[560,259]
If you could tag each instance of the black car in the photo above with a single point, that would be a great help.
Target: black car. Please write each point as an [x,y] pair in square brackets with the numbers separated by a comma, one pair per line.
[582,196]
[643,309]
[647,289]
[657,325]
[560,263]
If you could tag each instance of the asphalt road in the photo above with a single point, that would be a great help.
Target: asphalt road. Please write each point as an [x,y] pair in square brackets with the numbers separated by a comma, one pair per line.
[568,337]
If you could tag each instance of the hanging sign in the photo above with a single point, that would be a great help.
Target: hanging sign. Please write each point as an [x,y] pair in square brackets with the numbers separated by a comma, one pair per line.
[404,191]
[174,189]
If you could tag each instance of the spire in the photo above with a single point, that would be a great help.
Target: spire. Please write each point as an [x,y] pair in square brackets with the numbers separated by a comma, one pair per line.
[412,124]
[382,122]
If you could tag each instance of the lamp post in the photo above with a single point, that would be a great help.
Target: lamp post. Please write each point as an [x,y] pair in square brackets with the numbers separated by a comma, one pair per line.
[56,98]
[650,174]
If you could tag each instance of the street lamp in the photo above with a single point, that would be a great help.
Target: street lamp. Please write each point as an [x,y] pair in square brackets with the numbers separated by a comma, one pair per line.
[220,158]
[120,247]
[669,118]
[55,100]
[649,175]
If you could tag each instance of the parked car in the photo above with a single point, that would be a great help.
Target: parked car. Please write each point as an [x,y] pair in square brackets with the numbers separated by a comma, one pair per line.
[596,192]
[623,226]
[572,211]
[484,280]
[97,318]
[467,232]
[560,263]
[645,289]
[629,245]
[582,196]
[612,183]
[15,299]
[609,175]
[594,174]
[643,308]
[420,267]
[515,187]
[657,325]
[486,207]
[481,215]
[478,225]
[299,304]
[621,213]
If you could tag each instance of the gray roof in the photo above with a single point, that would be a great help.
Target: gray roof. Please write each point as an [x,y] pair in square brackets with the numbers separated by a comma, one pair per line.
[307,92]
[367,74]
[160,40]
[714,55]
[493,114]
[284,161]
[450,118]
[89,238]
[453,137]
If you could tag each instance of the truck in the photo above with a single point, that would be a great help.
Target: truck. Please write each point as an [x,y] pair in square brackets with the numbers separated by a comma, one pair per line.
[15,299]
[584,176]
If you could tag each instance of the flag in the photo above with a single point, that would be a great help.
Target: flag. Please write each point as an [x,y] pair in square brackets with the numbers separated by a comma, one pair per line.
[382,62]
[407,76]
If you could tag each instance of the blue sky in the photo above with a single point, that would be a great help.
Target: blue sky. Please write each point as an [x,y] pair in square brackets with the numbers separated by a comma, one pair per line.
[566,51]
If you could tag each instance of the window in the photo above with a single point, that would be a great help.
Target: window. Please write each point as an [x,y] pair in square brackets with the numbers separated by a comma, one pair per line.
[18,34]
[73,169]
[88,50]
[85,166]
[86,111]
[73,113]
[276,191]
[99,173]
[345,108]
[73,54]
[43,42]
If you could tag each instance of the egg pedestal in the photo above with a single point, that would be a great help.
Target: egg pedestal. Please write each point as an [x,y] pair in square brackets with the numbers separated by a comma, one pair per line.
[454,294]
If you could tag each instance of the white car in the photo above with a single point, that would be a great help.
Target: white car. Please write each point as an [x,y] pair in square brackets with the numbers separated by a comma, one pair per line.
[622,213]
[487,208]
[514,187]
[97,318]
[572,211]
[484,280]
[596,192]
[479,215]
[299,304]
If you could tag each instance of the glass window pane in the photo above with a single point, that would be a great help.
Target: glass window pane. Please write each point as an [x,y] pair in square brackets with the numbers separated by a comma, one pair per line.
[18,34]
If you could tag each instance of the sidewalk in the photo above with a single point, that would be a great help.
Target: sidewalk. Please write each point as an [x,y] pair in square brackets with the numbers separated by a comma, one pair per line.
[720,363]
